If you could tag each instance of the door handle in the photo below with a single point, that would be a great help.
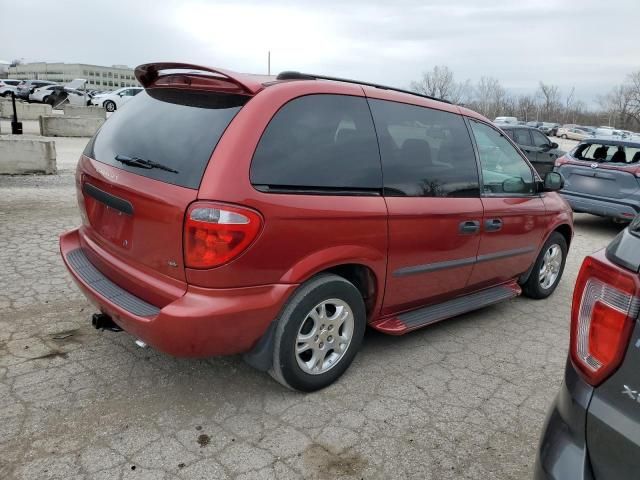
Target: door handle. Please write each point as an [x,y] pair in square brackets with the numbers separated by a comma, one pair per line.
[493,225]
[470,226]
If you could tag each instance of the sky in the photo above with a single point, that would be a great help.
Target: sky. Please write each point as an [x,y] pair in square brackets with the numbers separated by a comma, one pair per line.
[587,44]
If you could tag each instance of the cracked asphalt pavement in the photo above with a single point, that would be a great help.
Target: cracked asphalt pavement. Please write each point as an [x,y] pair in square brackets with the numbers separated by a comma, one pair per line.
[464,399]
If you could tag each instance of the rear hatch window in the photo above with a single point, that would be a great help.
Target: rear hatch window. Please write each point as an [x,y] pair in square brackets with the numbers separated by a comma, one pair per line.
[172,131]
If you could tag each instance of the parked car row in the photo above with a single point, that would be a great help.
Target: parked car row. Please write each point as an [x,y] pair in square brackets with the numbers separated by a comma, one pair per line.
[569,131]
[43,91]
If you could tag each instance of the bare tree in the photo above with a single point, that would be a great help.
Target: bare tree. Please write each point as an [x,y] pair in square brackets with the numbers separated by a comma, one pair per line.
[527,107]
[634,96]
[618,105]
[550,95]
[569,102]
[440,83]
[489,96]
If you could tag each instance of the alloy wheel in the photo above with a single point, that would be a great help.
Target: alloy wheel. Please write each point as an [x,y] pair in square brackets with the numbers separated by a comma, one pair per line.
[324,336]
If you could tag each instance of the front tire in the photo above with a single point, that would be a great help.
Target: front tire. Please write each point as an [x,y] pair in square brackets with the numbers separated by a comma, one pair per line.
[547,269]
[318,333]
[110,106]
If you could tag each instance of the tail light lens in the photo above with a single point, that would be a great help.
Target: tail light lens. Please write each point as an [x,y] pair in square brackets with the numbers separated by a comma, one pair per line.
[214,234]
[560,161]
[605,307]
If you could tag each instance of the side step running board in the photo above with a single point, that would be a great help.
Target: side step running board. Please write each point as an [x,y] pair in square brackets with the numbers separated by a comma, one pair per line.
[424,316]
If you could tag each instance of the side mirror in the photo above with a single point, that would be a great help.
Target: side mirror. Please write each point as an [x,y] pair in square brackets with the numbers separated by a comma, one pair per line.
[554,145]
[553,181]
[513,185]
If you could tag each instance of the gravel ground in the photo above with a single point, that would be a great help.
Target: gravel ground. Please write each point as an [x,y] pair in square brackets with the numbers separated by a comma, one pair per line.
[464,399]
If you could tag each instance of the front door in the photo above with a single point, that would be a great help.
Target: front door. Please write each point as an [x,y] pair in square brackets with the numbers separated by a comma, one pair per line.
[431,187]
[514,214]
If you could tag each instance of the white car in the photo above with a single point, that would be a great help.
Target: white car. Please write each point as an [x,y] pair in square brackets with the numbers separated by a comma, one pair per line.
[8,85]
[509,120]
[114,100]
[574,134]
[57,94]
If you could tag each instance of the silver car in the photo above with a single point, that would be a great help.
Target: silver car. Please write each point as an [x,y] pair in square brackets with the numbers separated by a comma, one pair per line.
[602,177]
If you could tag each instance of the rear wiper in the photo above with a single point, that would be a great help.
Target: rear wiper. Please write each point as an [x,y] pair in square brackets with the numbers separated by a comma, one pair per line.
[142,163]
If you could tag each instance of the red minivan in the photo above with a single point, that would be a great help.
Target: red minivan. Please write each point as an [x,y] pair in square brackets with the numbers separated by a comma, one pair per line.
[279,216]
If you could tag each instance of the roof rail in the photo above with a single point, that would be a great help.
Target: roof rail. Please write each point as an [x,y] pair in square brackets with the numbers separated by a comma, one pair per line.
[292,75]
[149,73]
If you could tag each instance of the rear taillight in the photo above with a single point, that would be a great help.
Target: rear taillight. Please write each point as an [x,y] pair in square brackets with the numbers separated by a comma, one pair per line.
[560,161]
[605,306]
[214,233]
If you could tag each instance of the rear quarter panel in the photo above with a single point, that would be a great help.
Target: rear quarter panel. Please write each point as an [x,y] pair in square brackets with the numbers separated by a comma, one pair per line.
[559,214]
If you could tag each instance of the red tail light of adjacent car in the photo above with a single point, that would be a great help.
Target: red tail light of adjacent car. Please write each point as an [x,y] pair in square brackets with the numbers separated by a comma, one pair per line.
[214,234]
[605,306]
[561,161]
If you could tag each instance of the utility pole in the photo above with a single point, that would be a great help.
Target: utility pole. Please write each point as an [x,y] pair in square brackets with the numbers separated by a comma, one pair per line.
[269,62]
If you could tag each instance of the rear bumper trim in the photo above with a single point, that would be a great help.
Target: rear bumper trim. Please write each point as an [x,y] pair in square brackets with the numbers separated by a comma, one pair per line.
[81,265]
[606,207]
[202,322]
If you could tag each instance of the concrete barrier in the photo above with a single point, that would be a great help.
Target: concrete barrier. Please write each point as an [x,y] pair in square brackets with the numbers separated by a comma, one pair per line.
[22,155]
[25,111]
[63,126]
[74,111]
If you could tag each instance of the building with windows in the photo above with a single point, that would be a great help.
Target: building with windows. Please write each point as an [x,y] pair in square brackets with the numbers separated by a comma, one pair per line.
[98,77]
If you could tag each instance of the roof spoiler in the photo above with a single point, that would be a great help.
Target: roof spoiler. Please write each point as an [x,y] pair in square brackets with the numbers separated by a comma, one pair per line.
[187,74]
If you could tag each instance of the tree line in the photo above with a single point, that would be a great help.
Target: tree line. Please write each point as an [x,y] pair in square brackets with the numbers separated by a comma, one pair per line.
[619,108]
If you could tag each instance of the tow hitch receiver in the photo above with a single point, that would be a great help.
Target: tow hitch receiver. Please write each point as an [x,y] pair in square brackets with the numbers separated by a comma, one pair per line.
[100,321]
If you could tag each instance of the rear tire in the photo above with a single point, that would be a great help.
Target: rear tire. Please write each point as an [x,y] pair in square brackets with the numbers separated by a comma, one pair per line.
[547,269]
[109,106]
[318,333]
[564,136]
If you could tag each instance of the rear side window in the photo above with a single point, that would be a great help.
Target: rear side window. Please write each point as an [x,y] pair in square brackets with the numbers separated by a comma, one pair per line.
[178,129]
[425,152]
[322,142]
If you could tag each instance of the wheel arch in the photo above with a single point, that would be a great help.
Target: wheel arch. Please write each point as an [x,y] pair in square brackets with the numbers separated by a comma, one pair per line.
[563,229]
[360,274]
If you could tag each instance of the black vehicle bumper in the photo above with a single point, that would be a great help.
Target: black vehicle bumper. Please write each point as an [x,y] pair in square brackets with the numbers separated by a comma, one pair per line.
[562,452]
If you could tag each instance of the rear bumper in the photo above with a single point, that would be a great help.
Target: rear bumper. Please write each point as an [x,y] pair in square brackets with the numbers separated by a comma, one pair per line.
[602,207]
[201,323]
[562,452]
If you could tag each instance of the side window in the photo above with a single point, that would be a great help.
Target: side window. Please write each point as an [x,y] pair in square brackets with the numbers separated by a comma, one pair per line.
[509,133]
[504,171]
[539,140]
[522,137]
[425,152]
[319,141]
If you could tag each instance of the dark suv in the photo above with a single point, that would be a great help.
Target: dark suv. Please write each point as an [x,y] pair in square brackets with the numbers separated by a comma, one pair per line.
[541,152]
[278,217]
[593,428]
